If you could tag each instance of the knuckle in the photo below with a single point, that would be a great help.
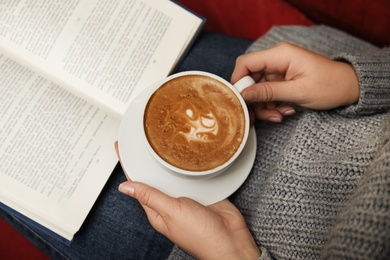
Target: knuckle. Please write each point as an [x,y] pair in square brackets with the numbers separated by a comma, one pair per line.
[281,43]
[284,46]
[143,197]
[268,93]
[239,59]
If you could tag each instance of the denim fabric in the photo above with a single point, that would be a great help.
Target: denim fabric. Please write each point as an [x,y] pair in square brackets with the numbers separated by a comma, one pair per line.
[117,227]
[215,53]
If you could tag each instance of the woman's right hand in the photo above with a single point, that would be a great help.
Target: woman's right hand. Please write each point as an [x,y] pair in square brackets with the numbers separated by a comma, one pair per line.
[292,74]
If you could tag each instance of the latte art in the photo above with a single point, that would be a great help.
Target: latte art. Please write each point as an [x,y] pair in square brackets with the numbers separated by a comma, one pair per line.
[200,126]
[194,122]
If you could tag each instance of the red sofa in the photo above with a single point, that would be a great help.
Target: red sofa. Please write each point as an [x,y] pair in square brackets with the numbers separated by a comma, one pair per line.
[369,20]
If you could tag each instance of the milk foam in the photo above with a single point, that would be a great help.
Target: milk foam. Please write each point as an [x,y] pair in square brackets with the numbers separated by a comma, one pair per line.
[194,123]
[201,126]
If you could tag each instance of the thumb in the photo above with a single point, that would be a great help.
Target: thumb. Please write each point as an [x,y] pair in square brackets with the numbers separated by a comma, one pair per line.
[270,91]
[155,203]
[146,195]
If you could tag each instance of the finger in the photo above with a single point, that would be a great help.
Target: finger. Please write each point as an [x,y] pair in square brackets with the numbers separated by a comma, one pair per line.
[271,115]
[270,60]
[156,220]
[252,116]
[117,149]
[271,111]
[148,196]
[154,216]
[274,76]
[286,110]
[120,161]
[271,105]
[271,91]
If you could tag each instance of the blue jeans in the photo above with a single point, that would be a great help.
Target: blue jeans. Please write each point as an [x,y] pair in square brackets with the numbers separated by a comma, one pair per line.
[117,227]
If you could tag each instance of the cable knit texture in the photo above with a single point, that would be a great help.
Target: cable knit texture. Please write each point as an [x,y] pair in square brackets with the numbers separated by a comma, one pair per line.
[320,185]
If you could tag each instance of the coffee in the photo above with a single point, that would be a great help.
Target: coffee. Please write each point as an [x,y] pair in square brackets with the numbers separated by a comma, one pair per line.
[194,122]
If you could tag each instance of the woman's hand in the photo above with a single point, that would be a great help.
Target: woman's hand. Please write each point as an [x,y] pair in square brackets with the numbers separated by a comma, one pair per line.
[292,74]
[214,232]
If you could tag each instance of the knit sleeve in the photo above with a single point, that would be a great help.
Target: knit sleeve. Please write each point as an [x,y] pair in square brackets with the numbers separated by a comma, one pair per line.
[265,255]
[373,71]
[362,228]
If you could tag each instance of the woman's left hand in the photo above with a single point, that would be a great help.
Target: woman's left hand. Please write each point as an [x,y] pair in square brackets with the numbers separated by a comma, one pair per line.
[213,232]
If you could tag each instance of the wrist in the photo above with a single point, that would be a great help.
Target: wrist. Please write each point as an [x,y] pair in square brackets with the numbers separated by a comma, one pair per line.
[351,88]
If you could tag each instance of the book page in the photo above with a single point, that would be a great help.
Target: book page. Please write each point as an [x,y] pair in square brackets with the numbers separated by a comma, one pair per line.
[68,70]
[110,50]
[56,149]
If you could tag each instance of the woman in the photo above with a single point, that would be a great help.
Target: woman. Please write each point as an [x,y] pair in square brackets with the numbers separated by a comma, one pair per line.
[319,187]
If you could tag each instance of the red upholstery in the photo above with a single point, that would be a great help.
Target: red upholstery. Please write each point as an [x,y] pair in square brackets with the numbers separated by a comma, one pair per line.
[369,20]
[14,246]
[249,18]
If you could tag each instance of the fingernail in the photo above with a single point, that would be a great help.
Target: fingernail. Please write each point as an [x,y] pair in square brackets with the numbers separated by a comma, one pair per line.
[275,119]
[127,189]
[289,112]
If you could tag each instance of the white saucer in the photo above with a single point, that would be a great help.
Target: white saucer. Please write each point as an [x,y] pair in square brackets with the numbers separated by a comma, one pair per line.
[142,167]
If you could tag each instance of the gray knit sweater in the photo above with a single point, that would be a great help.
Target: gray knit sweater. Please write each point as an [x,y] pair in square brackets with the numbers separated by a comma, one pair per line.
[320,185]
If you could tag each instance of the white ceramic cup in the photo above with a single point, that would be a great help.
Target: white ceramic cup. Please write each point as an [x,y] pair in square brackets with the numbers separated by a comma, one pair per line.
[236,88]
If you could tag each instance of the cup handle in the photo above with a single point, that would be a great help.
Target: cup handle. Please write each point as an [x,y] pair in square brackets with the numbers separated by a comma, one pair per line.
[244,82]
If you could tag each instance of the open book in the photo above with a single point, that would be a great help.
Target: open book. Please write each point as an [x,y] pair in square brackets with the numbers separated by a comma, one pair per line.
[68,71]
